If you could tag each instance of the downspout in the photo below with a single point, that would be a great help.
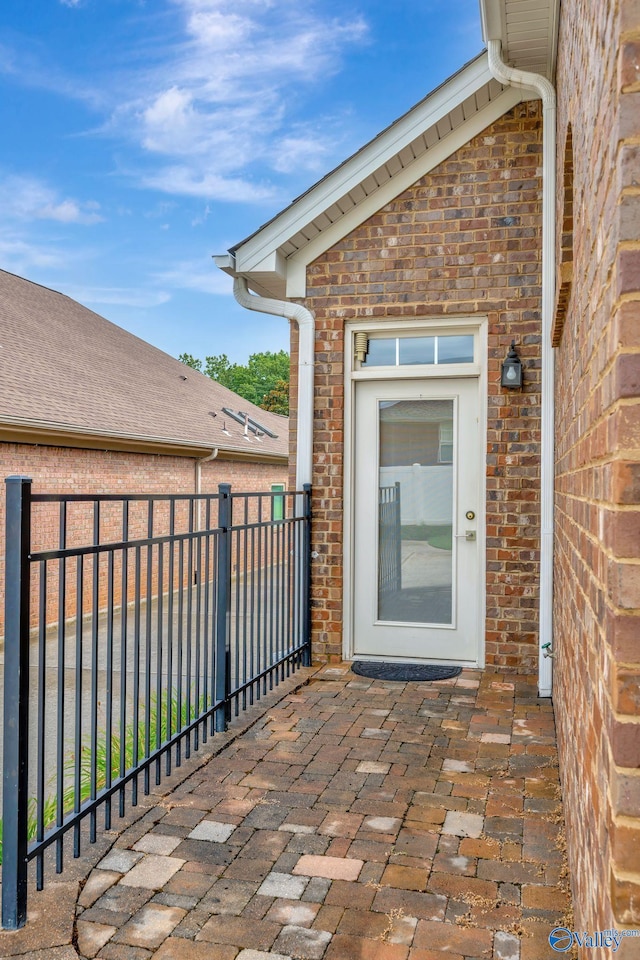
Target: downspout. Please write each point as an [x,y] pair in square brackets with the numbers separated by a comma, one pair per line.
[212,456]
[519,78]
[306,329]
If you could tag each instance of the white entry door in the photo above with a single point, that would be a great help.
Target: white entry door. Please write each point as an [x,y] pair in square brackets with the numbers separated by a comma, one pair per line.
[416,494]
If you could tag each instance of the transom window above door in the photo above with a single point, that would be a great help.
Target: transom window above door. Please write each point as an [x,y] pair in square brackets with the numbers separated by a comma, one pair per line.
[425,350]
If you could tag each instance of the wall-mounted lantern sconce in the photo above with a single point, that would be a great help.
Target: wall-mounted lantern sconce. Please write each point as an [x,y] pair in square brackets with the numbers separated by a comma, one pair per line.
[511,376]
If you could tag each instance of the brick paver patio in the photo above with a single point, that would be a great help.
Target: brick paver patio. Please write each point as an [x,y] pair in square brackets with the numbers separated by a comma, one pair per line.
[356,819]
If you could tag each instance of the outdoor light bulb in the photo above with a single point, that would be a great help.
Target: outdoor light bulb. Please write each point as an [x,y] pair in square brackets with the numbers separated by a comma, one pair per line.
[511,373]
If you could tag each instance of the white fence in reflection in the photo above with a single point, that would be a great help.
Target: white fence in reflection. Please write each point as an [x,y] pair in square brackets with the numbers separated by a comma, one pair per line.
[426,493]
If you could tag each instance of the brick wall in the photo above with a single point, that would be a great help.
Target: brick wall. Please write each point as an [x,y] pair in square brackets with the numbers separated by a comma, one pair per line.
[69,470]
[597,575]
[444,248]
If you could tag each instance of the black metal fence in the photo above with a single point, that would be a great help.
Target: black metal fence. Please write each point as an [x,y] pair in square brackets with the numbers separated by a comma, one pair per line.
[135,628]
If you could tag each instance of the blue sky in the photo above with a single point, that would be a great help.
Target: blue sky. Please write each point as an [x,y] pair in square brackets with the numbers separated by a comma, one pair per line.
[141,137]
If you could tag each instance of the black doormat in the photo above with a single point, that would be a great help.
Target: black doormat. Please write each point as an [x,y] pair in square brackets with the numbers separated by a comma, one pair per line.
[403,672]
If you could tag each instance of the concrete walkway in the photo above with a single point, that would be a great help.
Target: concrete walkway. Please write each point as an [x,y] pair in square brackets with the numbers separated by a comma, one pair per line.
[354,820]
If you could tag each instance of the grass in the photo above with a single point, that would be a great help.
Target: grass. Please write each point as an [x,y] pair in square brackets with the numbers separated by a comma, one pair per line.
[437,536]
[102,755]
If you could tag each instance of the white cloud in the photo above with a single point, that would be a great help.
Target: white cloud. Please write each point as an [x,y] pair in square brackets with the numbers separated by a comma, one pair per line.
[210,96]
[20,256]
[302,152]
[194,275]
[168,121]
[217,30]
[190,182]
[219,105]
[67,211]
[24,198]
[206,213]
[122,296]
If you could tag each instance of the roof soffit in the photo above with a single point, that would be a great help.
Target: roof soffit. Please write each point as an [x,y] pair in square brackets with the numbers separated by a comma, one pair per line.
[528,30]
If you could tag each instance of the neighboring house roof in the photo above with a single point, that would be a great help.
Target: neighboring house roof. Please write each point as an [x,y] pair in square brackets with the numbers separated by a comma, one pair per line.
[70,377]
[416,411]
[274,258]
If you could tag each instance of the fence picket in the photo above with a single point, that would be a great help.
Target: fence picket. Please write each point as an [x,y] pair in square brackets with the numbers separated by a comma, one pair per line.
[232,614]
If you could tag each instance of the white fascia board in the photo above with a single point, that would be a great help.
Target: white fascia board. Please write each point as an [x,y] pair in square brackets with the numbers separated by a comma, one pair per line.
[363,164]
[297,264]
[267,280]
[226,262]
[274,262]
[554,27]
[494,21]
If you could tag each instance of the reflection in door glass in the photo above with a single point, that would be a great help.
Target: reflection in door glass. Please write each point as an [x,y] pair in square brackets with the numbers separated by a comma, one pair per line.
[415,512]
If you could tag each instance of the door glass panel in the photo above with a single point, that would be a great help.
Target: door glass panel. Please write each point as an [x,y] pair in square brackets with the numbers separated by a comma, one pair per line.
[415,513]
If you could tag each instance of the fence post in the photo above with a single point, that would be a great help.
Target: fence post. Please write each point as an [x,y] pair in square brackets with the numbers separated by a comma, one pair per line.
[16,703]
[398,535]
[306,575]
[223,659]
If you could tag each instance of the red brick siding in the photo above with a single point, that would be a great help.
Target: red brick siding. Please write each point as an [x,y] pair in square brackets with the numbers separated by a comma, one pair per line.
[442,248]
[69,470]
[597,576]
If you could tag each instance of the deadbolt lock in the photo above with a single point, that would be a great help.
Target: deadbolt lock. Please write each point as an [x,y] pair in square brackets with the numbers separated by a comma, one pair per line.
[470,515]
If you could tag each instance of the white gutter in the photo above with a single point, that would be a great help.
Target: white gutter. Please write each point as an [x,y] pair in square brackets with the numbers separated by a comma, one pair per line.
[306,329]
[520,78]
[199,462]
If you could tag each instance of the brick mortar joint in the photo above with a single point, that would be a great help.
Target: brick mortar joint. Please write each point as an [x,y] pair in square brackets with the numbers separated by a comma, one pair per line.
[630,142]
[633,772]
[625,719]
[628,298]
[625,876]
[624,820]
[626,352]
[627,453]
[621,508]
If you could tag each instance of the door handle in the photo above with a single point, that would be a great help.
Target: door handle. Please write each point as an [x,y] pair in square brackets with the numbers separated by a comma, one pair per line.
[467,535]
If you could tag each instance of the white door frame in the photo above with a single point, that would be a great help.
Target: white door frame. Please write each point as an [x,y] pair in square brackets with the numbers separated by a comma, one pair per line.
[395,327]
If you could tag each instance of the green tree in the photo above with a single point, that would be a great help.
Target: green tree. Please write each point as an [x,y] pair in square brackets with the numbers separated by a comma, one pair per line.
[277,400]
[263,379]
[191,361]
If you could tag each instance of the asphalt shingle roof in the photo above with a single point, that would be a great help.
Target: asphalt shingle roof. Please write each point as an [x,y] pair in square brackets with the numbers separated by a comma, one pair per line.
[64,366]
